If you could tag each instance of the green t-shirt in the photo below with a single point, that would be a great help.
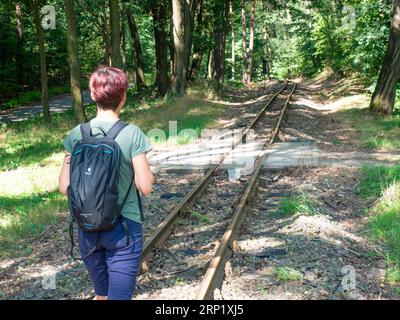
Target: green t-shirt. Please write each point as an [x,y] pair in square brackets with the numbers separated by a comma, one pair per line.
[132,142]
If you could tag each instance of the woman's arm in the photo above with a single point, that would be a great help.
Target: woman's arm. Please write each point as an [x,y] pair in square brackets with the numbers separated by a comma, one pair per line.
[64,175]
[143,176]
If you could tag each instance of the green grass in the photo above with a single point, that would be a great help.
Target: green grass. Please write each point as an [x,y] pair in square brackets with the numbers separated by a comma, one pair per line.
[180,281]
[393,276]
[190,113]
[375,132]
[288,274]
[200,217]
[297,204]
[237,84]
[35,96]
[30,142]
[23,217]
[337,142]
[377,179]
[384,221]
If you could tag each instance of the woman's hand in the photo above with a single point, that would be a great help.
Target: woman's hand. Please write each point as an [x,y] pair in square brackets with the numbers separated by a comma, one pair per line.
[64,175]
[143,176]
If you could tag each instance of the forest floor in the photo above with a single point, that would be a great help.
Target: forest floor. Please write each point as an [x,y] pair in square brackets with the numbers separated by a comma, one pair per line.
[338,217]
[336,236]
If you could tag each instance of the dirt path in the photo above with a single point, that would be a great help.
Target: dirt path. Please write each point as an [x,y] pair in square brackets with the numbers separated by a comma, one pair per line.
[57,104]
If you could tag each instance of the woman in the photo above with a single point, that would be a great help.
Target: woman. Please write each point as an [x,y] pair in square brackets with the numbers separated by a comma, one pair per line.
[112,261]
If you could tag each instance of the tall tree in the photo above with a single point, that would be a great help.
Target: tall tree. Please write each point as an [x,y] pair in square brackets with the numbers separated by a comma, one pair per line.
[43,62]
[171,49]
[197,50]
[140,80]
[251,44]
[20,45]
[115,33]
[244,43]
[160,36]
[189,13]
[123,45]
[221,12]
[74,65]
[179,81]
[384,96]
[232,24]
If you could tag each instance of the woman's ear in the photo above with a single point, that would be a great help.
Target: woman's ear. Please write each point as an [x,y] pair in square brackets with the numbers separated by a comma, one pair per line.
[121,104]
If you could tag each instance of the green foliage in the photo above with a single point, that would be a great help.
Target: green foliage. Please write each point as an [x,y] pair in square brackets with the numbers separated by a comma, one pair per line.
[288,274]
[384,223]
[375,131]
[180,281]
[200,217]
[307,39]
[296,38]
[36,96]
[30,142]
[26,216]
[298,204]
[376,179]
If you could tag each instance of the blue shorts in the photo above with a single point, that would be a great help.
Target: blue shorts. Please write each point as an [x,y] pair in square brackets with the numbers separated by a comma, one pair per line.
[113,264]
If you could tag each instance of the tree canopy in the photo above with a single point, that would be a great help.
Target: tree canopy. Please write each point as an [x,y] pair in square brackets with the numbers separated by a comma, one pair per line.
[170,44]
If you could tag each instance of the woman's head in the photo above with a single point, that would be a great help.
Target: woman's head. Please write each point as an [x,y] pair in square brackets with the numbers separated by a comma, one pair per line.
[108,86]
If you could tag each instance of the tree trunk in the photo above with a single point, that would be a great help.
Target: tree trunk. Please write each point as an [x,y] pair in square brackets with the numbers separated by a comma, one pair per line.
[197,54]
[43,63]
[107,49]
[179,83]
[123,46]
[105,30]
[244,44]
[75,72]
[171,50]
[115,33]
[220,15]
[211,62]
[251,44]
[19,72]
[267,69]
[232,23]
[160,36]
[189,11]
[384,95]
[141,83]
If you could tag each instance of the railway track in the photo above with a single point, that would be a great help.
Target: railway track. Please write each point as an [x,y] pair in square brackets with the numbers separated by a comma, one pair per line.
[211,204]
[214,273]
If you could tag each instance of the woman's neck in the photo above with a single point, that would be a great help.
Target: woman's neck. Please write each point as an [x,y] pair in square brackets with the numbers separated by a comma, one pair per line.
[106,115]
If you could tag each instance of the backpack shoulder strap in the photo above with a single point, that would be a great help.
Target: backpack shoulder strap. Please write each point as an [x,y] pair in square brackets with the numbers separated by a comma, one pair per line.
[116,129]
[85,130]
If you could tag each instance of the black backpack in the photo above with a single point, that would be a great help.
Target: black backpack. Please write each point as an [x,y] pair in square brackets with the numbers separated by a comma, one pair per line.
[94,172]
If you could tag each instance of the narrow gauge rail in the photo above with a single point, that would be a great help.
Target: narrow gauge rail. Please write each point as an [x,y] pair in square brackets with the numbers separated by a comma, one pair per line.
[215,271]
[162,231]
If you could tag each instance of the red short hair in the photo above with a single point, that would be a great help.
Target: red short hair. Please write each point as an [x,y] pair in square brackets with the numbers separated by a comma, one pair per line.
[108,86]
